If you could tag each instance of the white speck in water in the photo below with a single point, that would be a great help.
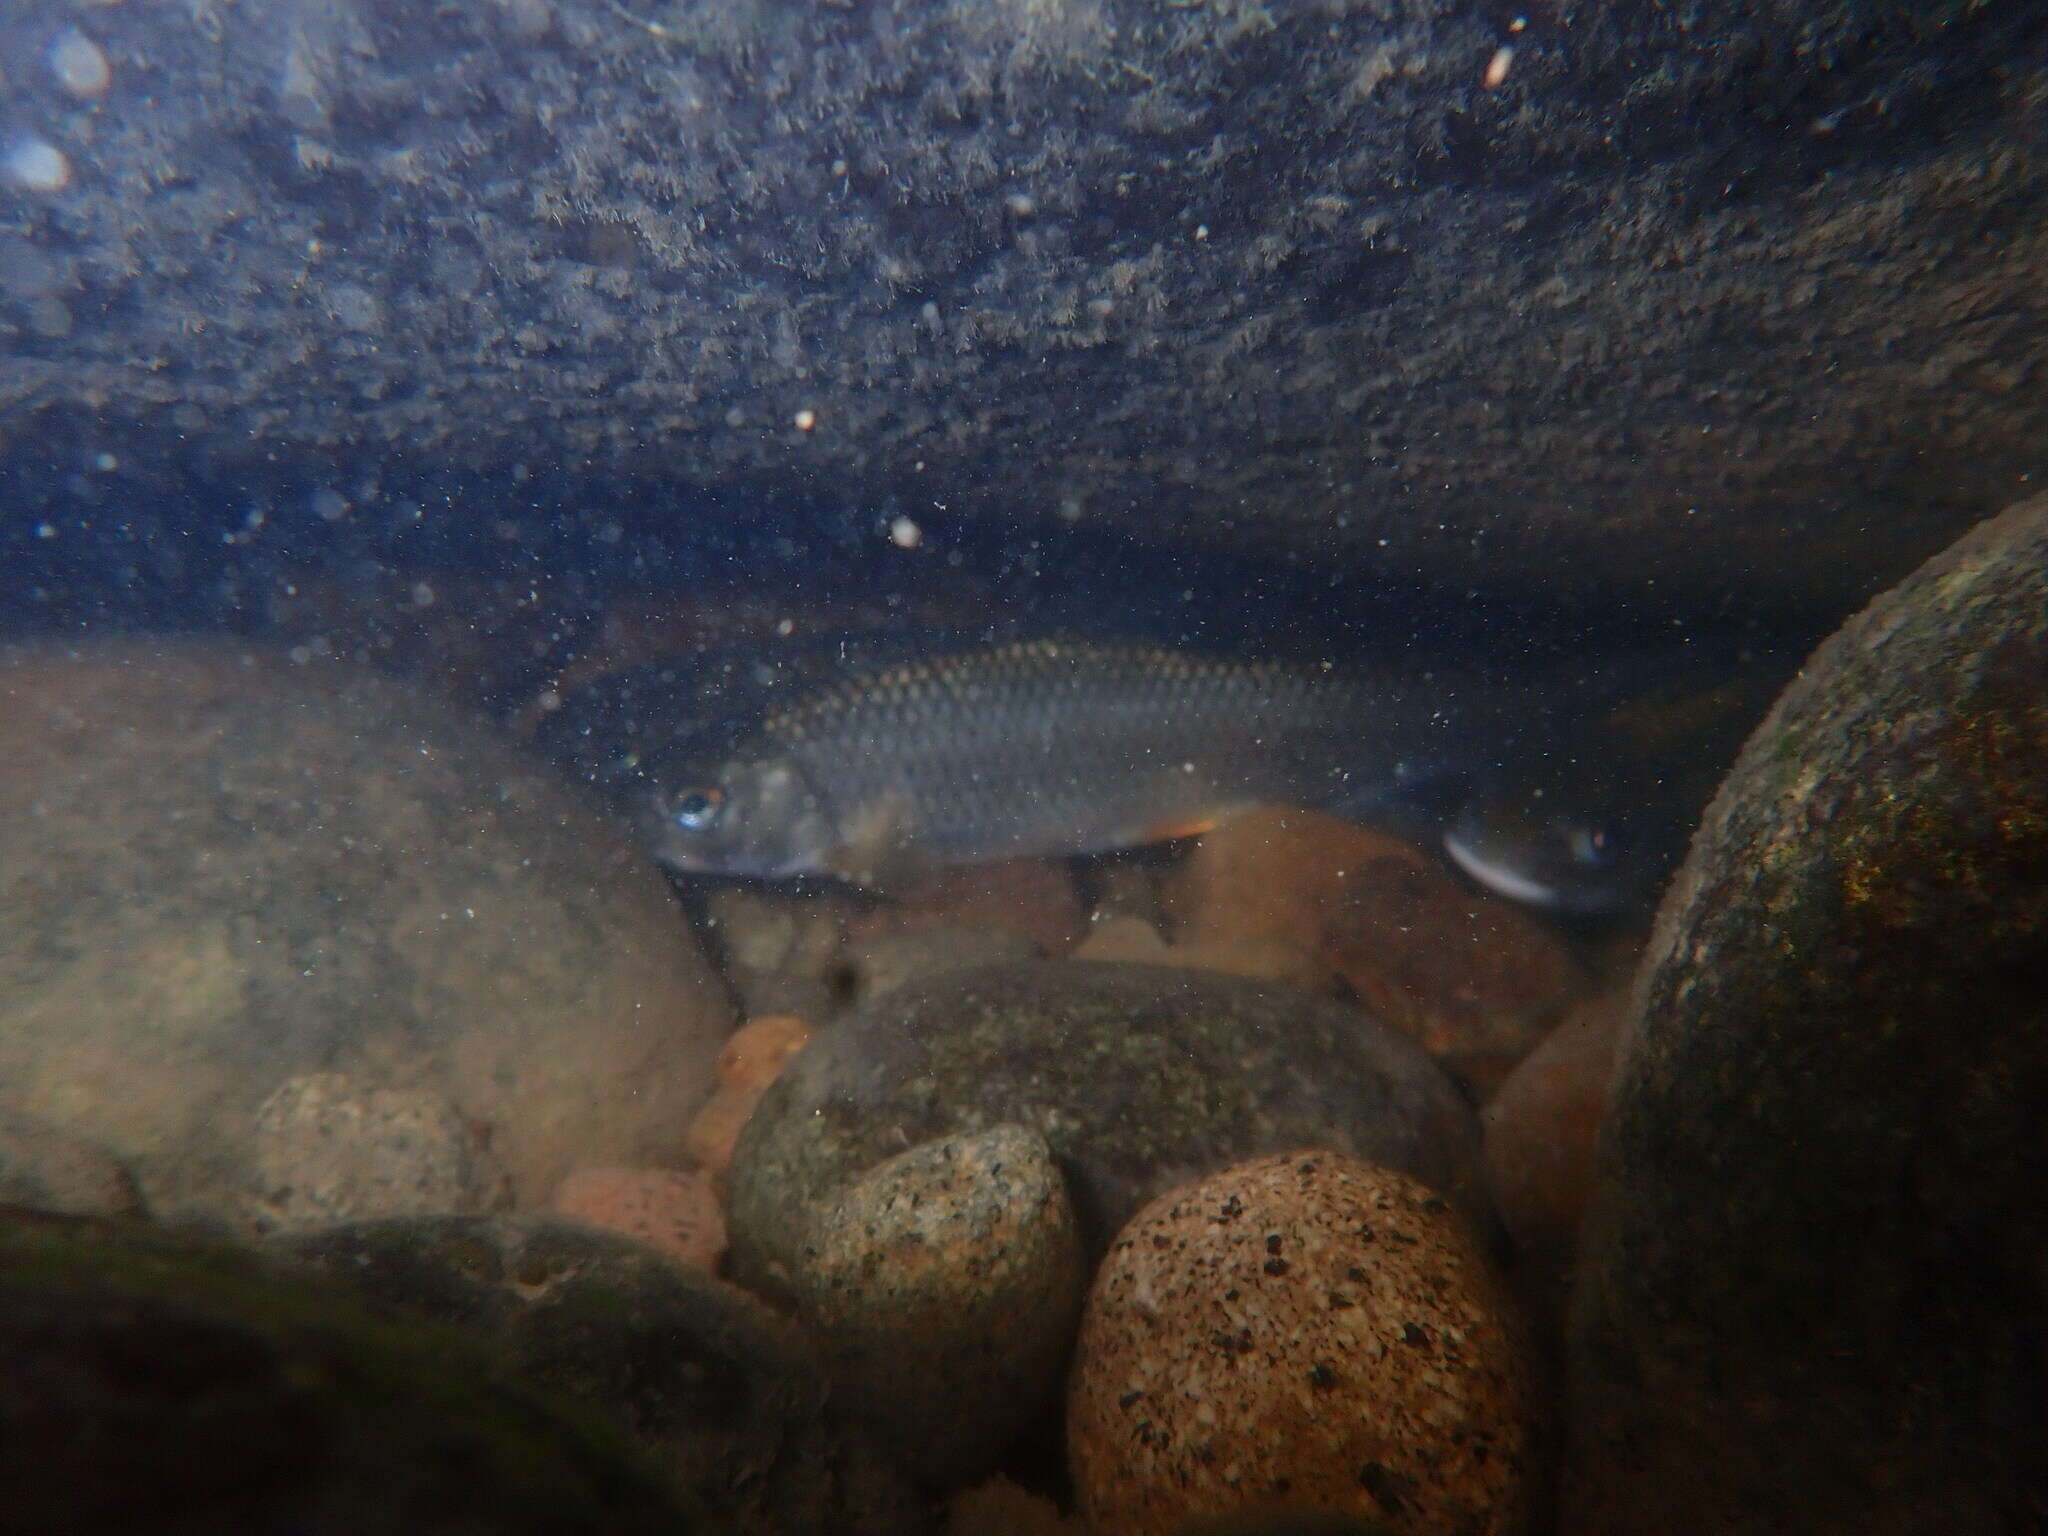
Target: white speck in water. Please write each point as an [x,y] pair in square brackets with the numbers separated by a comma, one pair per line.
[81,68]
[35,165]
[905,534]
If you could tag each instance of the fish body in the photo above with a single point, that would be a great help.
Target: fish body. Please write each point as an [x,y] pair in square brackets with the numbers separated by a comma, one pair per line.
[876,758]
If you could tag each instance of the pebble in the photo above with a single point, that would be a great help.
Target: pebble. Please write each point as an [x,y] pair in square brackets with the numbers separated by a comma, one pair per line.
[327,1148]
[945,1285]
[752,1059]
[1308,1331]
[727,1396]
[160,1379]
[43,1167]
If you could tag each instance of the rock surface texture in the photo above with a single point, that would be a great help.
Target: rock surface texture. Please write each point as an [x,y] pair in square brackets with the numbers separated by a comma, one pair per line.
[1304,1332]
[1811,1284]
[1416,286]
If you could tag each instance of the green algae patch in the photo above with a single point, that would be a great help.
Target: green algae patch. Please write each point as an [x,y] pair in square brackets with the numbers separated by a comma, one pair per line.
[157,1371]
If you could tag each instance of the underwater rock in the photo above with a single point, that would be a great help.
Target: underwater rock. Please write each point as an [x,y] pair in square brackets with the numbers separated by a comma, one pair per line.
[761,929]
[1475,979]
[752,1059]
[159,1381]
[675,1212]
[706,257]
[1260,957]
[945,1285]
[1811,1285]
[1118,936]
[1034,898]
[878,966]
[326,1149]
[1000,1507]
[1140,1077]
[1305,1331]
[48,1169]
[226,871]
[1540,1130]
[729,1397]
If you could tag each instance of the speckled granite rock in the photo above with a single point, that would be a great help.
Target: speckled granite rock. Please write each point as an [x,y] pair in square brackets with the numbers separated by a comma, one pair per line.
[1811,1285]
[225,871]
[327,1149]
[726,1394]
[1306,1330]
[945,1285]
[1140,1077]
[166,1383]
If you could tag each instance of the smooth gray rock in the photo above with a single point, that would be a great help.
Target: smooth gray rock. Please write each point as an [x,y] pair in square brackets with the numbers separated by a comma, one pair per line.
[1140,1077]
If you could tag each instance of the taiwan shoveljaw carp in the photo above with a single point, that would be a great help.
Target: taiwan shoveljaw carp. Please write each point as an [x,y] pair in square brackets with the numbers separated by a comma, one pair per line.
[875,757]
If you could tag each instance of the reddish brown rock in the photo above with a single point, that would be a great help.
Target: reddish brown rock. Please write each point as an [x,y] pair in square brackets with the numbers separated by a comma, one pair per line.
[1307,1330]
[1541,1128]
[1475,980]
[48,1170]
[1259,956]
[676,1212]
[752,1059]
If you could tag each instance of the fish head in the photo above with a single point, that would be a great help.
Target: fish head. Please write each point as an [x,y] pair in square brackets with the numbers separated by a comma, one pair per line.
[739,816]
[1562,853]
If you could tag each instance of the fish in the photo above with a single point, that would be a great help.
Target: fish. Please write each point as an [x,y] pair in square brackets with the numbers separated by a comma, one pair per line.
[1595,825]
[874,758]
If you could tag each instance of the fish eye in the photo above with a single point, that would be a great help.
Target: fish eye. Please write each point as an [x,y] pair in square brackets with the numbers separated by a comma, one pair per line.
[696,810]
[1591,846]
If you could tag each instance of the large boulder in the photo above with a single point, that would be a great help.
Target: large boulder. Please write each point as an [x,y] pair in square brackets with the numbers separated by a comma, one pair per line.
[1601,297]
[1812,1284]
[258,918]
